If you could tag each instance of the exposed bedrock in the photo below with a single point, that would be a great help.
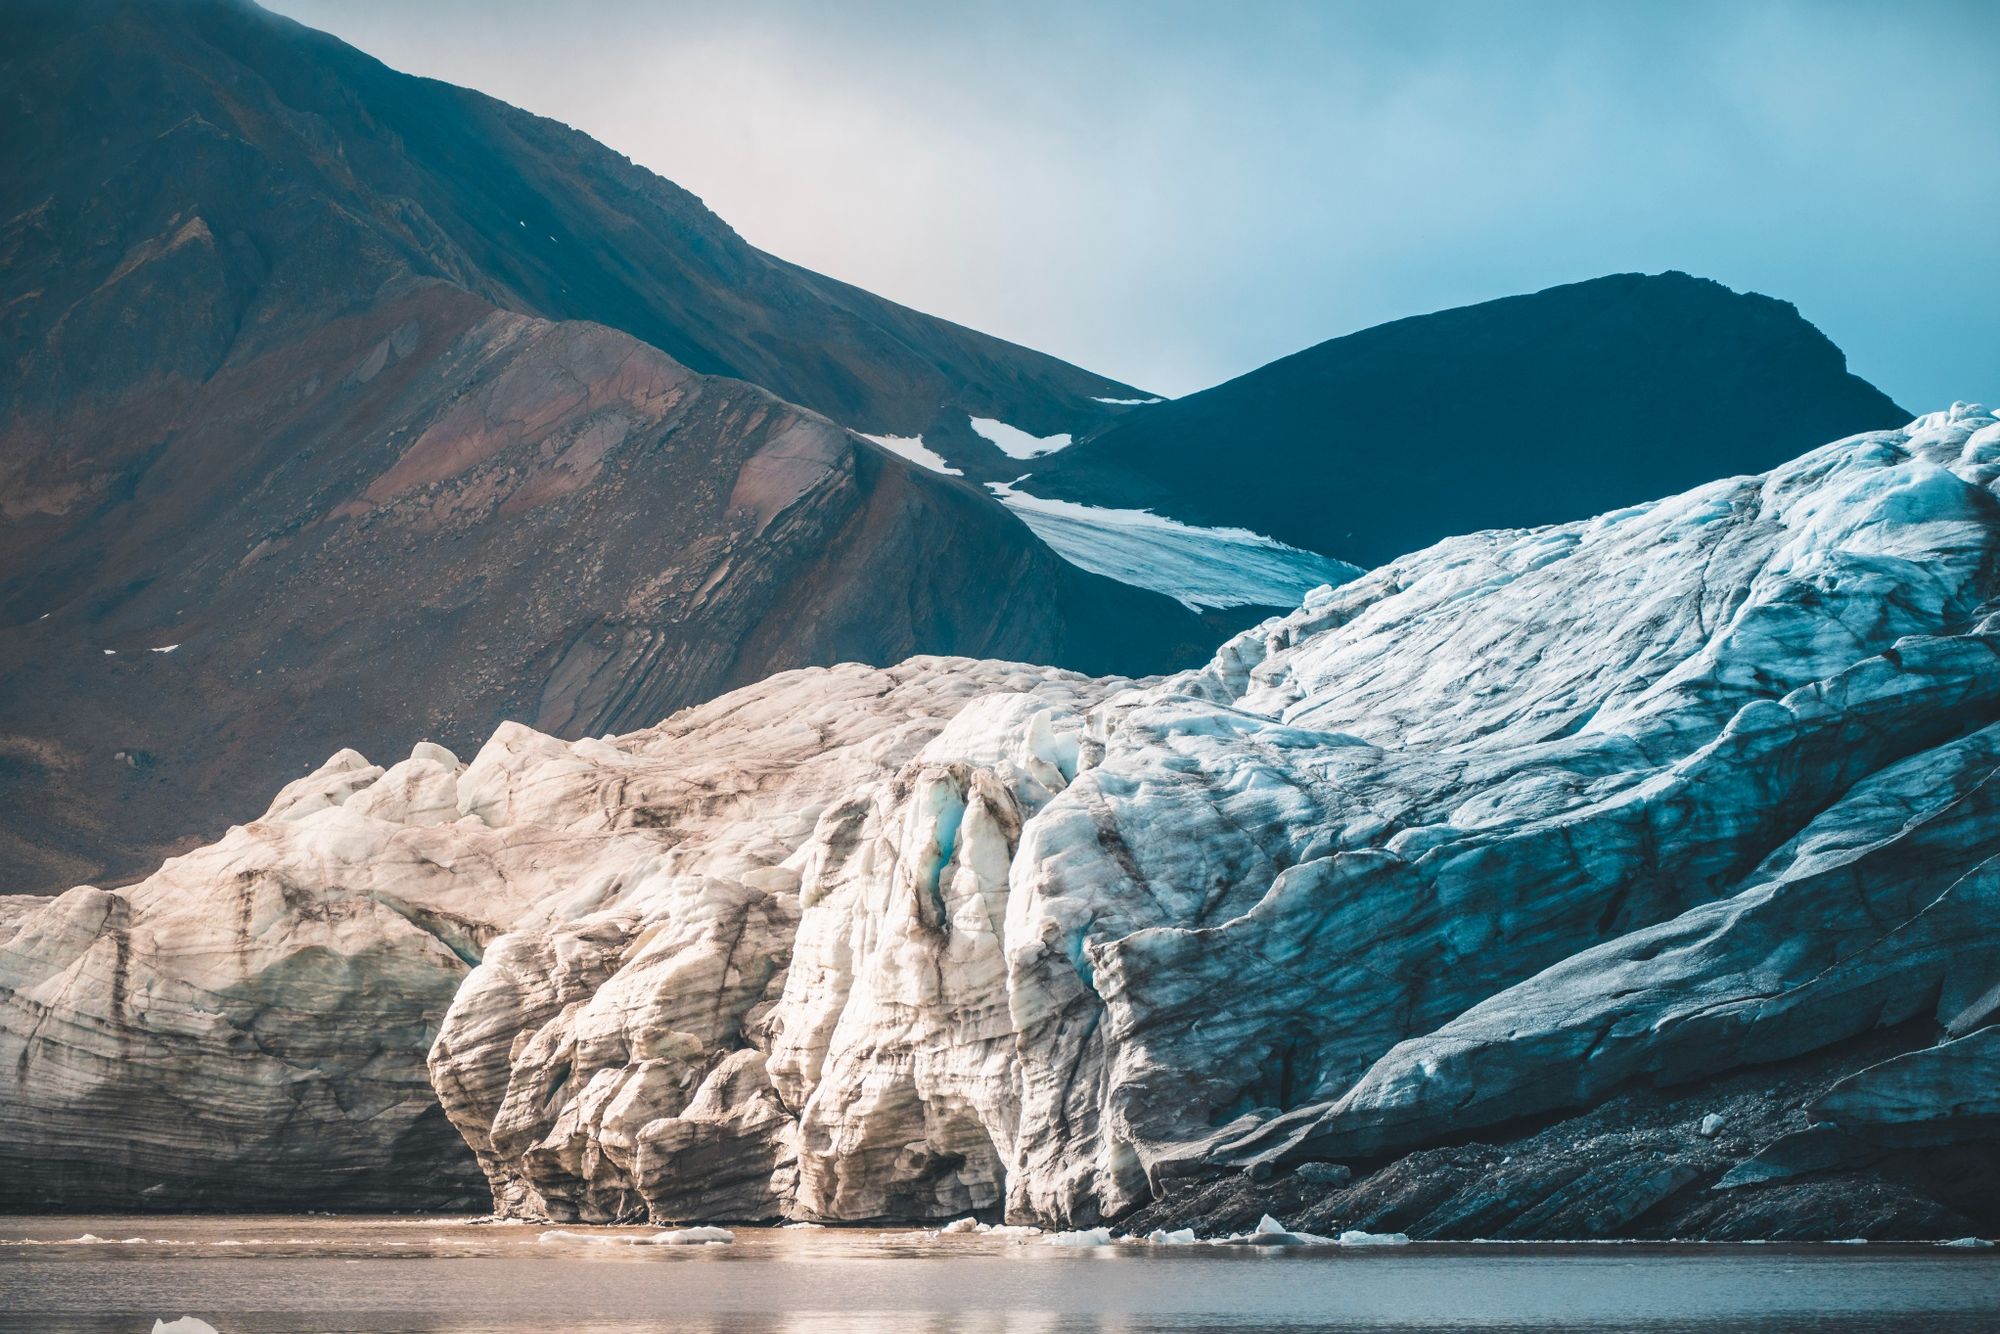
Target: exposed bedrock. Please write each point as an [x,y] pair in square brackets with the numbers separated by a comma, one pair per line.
[1683,815]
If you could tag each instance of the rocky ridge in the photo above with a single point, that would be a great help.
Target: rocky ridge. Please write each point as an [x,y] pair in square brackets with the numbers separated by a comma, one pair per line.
[1511,854]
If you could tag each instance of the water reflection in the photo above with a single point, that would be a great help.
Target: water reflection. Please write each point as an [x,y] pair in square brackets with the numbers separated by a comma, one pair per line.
[454,1276]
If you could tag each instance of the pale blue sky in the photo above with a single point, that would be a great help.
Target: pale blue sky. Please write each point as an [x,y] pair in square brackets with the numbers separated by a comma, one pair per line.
[1174,193]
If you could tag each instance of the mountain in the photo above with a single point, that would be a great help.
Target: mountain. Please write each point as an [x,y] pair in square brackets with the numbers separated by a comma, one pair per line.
[319,175]
[1629,877]
[1527,410]
[351,405]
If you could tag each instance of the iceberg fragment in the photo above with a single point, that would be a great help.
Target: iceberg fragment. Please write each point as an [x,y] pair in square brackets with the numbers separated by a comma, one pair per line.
[692,1236]
[1178,1237]
[1093,1236]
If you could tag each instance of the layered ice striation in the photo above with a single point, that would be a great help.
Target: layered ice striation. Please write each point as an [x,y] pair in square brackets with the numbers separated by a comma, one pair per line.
[1484,834]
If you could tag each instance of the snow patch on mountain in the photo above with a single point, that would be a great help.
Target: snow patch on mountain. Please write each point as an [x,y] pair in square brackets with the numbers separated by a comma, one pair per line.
[1199,567]
[1016,443]
[913,448]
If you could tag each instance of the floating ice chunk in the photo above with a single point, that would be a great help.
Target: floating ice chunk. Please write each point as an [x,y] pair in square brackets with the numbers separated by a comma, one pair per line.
[961,1225]
[111,653]
[1128,402]
[792,1227]
[1179,1237]
[913,448]
[187,1324]
[560,1235]
[1270,1232]
[1095,1236]
[1016,443]
[166,648]
[1356,1237]
[1970,1242]
[692,1236]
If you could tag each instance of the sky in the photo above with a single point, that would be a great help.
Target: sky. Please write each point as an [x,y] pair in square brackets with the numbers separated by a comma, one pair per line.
[1174,193]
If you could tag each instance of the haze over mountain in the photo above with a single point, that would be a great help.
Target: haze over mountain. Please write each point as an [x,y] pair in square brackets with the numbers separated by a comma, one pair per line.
[1532,409]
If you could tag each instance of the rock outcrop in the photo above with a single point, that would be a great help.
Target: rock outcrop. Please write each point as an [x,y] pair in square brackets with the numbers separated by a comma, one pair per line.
[1592,826]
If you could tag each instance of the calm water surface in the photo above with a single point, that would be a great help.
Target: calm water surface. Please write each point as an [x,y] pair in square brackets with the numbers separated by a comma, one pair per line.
[284,1275]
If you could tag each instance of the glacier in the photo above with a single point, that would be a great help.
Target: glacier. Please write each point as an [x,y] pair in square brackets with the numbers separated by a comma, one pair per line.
[1486,838]
[1197,567]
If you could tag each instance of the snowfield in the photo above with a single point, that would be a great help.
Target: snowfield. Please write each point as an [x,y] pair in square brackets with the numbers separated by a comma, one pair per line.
[1016,443]
[913,448]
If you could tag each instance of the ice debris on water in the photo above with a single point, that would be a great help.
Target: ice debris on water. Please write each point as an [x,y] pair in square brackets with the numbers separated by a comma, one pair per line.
[1355,1237]
[187,1324]
[1159,1236]
[1270,1232]
[1091,1236]
[971,1226]
[562,1235]
[692,1236]
[1970,1242]
[680,1236]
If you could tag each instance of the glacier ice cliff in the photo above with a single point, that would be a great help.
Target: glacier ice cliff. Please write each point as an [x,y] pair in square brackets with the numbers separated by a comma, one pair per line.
[1490,837]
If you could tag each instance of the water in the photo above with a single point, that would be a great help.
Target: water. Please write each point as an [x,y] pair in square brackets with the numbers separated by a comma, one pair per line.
[285,1275]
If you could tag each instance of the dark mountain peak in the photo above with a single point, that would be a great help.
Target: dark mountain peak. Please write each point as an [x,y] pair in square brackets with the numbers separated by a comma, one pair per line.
[1654,306]
[1529,409]
[306,139]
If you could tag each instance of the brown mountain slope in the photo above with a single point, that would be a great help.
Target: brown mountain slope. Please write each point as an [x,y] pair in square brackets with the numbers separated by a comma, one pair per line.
[434,515]
[319,171]
[299,381]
